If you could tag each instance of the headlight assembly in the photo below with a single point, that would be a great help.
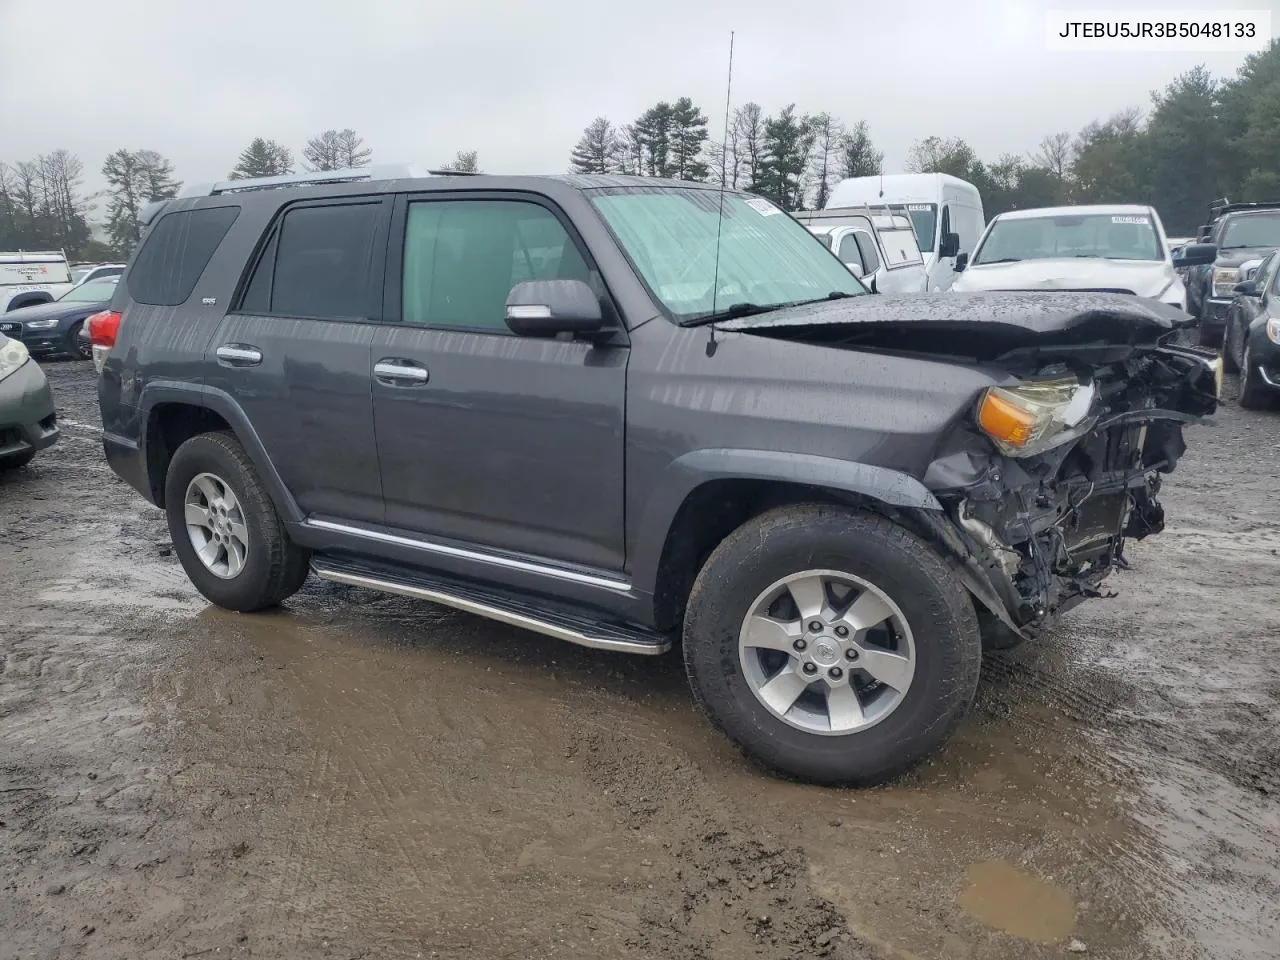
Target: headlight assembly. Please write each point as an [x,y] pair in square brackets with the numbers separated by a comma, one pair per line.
[1035,416]
[1224,278]
[1273,330]
[13,354]
[40,324]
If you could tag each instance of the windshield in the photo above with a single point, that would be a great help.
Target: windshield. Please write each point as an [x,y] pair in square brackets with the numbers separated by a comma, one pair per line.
[1102,235]
[924,218]
[765,257]
[90,292]
[1254,230]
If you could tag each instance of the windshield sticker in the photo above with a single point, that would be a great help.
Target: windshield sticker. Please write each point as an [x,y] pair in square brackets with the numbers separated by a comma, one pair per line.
[762,206]
[1145,221]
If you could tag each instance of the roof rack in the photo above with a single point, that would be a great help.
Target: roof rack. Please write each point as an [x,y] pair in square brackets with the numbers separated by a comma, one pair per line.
[399,171]
[1218,207]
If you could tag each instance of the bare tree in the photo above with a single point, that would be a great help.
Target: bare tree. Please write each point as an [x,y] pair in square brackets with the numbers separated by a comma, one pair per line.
[465,161]
[336,150]
[827,133]
[749,123]
[1056,153]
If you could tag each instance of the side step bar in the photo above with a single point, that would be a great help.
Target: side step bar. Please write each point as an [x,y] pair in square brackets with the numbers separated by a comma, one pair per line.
[526,614]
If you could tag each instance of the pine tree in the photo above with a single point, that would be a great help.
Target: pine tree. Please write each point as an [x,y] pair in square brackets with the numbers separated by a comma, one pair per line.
[688,140]
[158,176]
[127,184]
[263,158]
[597,152]
[858,156]
[787,144]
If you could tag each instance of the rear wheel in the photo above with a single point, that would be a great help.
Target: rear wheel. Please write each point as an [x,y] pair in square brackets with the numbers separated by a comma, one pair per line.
[77,346]
[831,644]
[1229,363]
[225,528]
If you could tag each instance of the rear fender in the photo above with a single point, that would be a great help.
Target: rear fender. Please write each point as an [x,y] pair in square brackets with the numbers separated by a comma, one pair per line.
[157,393]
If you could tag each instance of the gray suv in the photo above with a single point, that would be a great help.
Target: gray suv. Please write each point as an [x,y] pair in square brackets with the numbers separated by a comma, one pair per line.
[630,413]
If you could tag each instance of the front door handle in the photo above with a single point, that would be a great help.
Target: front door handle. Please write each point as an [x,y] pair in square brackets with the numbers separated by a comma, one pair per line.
[399,371]
[239,355]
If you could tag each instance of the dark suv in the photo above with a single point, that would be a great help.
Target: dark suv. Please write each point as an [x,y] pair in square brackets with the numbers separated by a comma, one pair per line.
[629,412]
[1243,232]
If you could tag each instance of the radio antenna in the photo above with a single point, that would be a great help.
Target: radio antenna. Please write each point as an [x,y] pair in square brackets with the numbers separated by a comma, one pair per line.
[724,176]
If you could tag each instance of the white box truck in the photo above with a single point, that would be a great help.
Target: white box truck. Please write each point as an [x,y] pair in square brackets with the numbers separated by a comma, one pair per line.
[945,211]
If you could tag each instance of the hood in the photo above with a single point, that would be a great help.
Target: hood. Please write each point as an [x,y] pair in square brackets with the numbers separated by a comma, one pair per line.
[52,311]
[974,326]
[1145,278]
[1234,256]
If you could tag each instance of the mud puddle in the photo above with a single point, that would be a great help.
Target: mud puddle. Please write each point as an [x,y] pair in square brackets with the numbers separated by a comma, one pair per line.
[365,776]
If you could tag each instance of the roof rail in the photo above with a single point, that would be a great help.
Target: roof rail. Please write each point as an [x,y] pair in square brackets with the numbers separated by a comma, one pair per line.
[396,171]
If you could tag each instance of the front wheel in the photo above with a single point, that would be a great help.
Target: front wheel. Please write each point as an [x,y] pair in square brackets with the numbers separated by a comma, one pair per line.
[225,528]
[831,644]
[1253,392]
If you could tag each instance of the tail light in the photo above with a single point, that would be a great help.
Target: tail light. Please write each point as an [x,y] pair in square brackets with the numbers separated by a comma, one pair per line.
[102,328]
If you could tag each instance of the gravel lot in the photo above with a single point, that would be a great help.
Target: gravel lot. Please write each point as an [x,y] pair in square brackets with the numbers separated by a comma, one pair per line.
[364,776]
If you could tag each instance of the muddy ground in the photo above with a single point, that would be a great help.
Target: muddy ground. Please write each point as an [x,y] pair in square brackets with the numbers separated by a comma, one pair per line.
[363,776]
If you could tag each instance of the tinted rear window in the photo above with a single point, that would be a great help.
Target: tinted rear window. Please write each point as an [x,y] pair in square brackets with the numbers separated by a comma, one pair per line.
[176,252]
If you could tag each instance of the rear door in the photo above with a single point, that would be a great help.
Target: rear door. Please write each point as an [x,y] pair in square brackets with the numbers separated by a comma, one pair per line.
[294,352]
[485,438]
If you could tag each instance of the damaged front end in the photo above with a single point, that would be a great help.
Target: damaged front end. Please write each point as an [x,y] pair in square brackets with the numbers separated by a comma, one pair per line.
[1051,475]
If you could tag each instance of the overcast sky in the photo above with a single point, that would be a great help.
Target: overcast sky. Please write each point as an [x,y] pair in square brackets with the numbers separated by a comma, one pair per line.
[517,81]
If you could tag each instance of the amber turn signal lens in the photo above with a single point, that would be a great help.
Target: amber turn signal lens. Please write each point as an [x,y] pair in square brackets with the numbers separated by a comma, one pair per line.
[1005,421]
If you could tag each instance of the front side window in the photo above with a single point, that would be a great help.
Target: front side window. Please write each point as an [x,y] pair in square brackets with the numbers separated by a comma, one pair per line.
[870,256]
[1253,230]
[316,264]
[849,252]
[1098,235]
[698,264]
[462,257]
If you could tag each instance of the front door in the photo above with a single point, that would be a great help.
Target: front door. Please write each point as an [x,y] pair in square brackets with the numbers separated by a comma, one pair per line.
[486,438]
[294,354]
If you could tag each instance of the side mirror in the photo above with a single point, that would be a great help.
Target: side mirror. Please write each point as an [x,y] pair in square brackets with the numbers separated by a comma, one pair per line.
[1246,289]
[544,308]
[949,245]
[1196,254]
[962,261]
[855,269]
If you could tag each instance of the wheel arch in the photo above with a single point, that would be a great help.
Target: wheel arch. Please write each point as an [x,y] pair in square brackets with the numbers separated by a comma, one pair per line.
[174,412]
[704,495]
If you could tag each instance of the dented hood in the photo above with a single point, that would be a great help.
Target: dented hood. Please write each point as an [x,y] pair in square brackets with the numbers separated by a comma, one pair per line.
[1111,317]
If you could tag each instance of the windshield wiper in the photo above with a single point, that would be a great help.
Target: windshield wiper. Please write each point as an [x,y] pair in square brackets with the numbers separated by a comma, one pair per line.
[734,310]
[833,295]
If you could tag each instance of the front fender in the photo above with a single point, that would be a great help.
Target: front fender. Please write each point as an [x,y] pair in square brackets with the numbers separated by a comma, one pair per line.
[690,471]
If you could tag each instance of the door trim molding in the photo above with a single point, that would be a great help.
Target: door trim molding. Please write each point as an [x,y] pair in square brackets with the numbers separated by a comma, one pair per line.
[599,581]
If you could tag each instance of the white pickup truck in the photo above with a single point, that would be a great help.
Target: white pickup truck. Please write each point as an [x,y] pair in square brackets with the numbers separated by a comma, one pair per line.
[31,277]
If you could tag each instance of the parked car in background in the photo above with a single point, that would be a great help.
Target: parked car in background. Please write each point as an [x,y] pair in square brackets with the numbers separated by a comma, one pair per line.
[878,246]
[621,411]
[84,272]
[1251,337]
[1241,232]
[28,422]
[945,211]
[1103,249]
[31,277]
[55,327]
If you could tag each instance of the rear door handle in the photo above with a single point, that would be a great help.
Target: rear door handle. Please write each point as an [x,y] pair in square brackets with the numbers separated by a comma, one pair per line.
[399,372]
[239,355]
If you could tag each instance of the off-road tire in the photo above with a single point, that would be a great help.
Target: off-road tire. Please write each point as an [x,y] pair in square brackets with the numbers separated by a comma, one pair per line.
[12,461]
[275,568]
[920,581]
